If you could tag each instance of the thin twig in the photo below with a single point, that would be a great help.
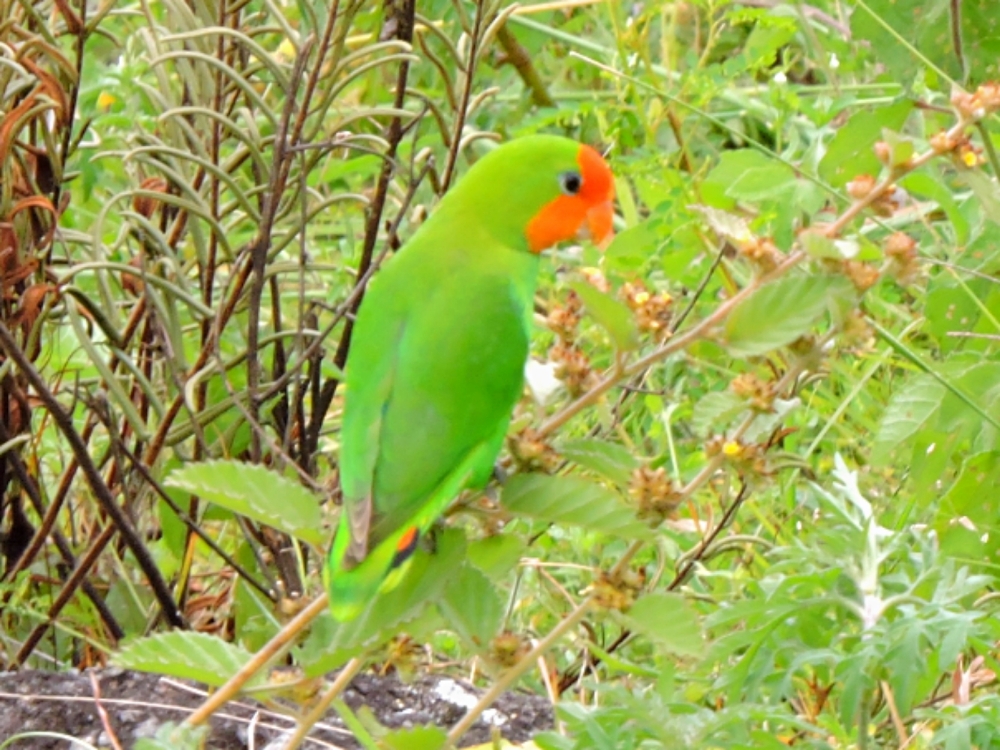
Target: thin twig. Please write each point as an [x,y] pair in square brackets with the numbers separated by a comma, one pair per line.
[64,597]
[475,39]
[105,719]
[523,664]
[306,723]
[518,56]
[321,401]
[258,661]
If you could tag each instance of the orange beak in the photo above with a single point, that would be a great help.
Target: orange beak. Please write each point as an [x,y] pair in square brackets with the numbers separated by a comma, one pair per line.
[599,224]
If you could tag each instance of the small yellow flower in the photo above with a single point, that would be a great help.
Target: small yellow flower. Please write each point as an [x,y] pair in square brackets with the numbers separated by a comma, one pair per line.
[732,449]
[105,100]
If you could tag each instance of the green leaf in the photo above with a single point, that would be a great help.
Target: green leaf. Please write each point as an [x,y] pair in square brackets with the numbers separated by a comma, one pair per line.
[572,501]
[933,187]
[173,736]
[763,183]
[780,312]
[986,191]
[850,152]
[900,147]
[927,27]
[417,738]
[969,508]
[907,411]
[924,26]
[747,174]
[617,663]
[820,246]
[496,555]
[472,608]
[255,492]
[634,246]
[715,411]
[610,460]
[610,314]
[185,654]
[768,36]
[668,620]
[948,308]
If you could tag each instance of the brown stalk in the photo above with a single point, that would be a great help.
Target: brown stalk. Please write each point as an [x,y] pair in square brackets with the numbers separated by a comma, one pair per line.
[517,55]
[64,422]
[404,19]
[64,596]
[475,40]
[49,516]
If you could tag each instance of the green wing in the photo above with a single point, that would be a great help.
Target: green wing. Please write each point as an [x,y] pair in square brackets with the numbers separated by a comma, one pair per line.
[436,367]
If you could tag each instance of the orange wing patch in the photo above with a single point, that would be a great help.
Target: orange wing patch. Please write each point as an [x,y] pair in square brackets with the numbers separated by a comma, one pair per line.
[406,546]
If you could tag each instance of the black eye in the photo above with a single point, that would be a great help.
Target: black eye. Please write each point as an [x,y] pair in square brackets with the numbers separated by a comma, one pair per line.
[570,183]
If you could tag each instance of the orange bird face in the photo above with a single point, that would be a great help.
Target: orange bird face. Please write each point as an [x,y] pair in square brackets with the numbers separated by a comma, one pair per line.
[585,206]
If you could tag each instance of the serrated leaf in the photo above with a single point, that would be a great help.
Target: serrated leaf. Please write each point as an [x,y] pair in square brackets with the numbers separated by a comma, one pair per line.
[908,410]
[496,555]
[572,501]
[715,411]
[668,620]
[850,152]
[780,312]
[610,314]
[762,183]
[607,459]
[472,607]
[417,738]
[185,654]
[255,492]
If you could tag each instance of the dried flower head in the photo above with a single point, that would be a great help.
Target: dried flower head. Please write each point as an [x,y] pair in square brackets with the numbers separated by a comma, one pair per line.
[508,648]
[532,452]
[572,367]
[618,592]
[654,493]
[563,320]
[652,311]
[862,275]
[762,252]
[901,251]
[861,186]
[760,393]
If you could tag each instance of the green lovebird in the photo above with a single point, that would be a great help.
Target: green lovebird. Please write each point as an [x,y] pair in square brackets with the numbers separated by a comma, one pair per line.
[437,358]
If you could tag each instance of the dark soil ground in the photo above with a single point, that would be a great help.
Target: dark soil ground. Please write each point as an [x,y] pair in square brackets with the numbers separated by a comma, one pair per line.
[136,704]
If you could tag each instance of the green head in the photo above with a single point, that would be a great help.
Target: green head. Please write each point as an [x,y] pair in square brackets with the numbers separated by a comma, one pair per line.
[533,192]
